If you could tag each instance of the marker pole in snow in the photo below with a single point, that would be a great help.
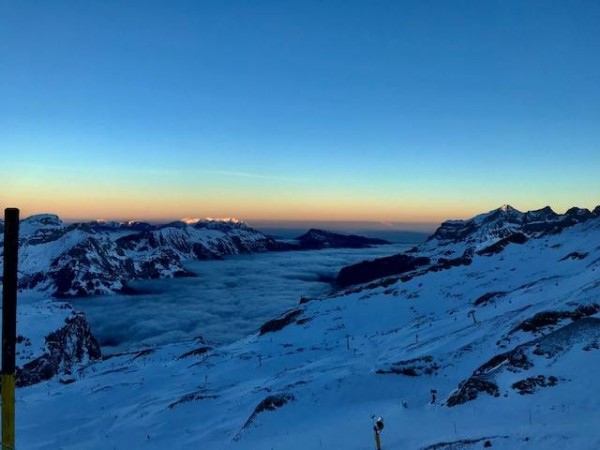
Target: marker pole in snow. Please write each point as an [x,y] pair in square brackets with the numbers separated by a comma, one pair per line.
[377,427]
[9,325]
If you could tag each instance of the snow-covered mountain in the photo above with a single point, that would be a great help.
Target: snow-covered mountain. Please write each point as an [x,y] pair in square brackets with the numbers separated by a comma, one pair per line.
[53,340]
[500,352]
[455,237]
[94,258]
[456,242]
[200,240]
[102,257]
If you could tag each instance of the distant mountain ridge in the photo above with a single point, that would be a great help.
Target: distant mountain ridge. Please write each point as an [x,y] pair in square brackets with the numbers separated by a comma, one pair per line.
[506,220]
[98,257]
[456,242]
[315,239]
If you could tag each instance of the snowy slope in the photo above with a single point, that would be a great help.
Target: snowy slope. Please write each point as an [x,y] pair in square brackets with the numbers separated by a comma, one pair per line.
[510,342]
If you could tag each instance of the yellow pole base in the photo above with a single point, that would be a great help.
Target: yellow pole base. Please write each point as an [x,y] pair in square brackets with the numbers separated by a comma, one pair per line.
[8,411]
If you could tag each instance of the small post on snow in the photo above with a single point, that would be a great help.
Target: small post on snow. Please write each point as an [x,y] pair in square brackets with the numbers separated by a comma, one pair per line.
[472,316]
[9,325]
[377,428]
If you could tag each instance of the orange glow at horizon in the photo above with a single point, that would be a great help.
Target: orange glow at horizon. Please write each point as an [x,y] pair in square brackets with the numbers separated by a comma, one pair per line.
[72,205]
[118,201]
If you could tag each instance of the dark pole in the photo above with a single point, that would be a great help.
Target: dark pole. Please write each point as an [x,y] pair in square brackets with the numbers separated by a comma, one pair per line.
[9,325]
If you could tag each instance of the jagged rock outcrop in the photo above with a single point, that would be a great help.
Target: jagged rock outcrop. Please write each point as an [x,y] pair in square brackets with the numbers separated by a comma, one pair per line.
[63,350]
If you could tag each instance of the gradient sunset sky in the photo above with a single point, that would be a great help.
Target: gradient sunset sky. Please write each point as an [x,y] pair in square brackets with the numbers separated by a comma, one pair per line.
[298,110]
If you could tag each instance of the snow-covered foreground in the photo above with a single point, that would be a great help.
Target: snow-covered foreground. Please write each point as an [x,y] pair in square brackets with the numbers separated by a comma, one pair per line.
[511,340]
[226,300]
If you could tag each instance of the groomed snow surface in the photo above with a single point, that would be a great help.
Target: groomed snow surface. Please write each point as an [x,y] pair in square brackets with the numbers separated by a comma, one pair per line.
[313,379]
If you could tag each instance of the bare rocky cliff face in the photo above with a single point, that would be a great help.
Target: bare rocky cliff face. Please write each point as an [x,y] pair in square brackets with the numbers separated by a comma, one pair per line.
[53,340]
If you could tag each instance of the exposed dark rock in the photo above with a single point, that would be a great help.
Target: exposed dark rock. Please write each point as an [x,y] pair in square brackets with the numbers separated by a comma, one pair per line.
[513,360]
[366,271]
[202,394]
[489,297]
[585,330]
[412,367]
[470,389]
[516,238]
[529,385]
[304,320]
[481,380]
[541,320]
[550,318]
[316,239]
[195,352]
[270,403]
[445,264]
[575,255]
[280,323]
[66,347]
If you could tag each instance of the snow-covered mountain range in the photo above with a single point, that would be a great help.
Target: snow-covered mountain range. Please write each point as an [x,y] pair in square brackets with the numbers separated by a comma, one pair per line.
[456,242]
[491,340]
[101,257]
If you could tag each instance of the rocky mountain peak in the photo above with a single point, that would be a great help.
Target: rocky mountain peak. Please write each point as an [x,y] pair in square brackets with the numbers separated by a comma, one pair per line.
[508,208]
[40,223]
[545,213]
[502,223]
[578,212]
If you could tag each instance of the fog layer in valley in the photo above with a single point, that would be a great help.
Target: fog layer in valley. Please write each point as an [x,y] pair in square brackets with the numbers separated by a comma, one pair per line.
[227,300]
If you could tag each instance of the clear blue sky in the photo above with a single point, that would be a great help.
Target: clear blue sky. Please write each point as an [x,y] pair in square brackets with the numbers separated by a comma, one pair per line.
[330,110]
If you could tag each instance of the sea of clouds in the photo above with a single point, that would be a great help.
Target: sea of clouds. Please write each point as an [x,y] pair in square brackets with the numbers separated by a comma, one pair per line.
[227,300]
